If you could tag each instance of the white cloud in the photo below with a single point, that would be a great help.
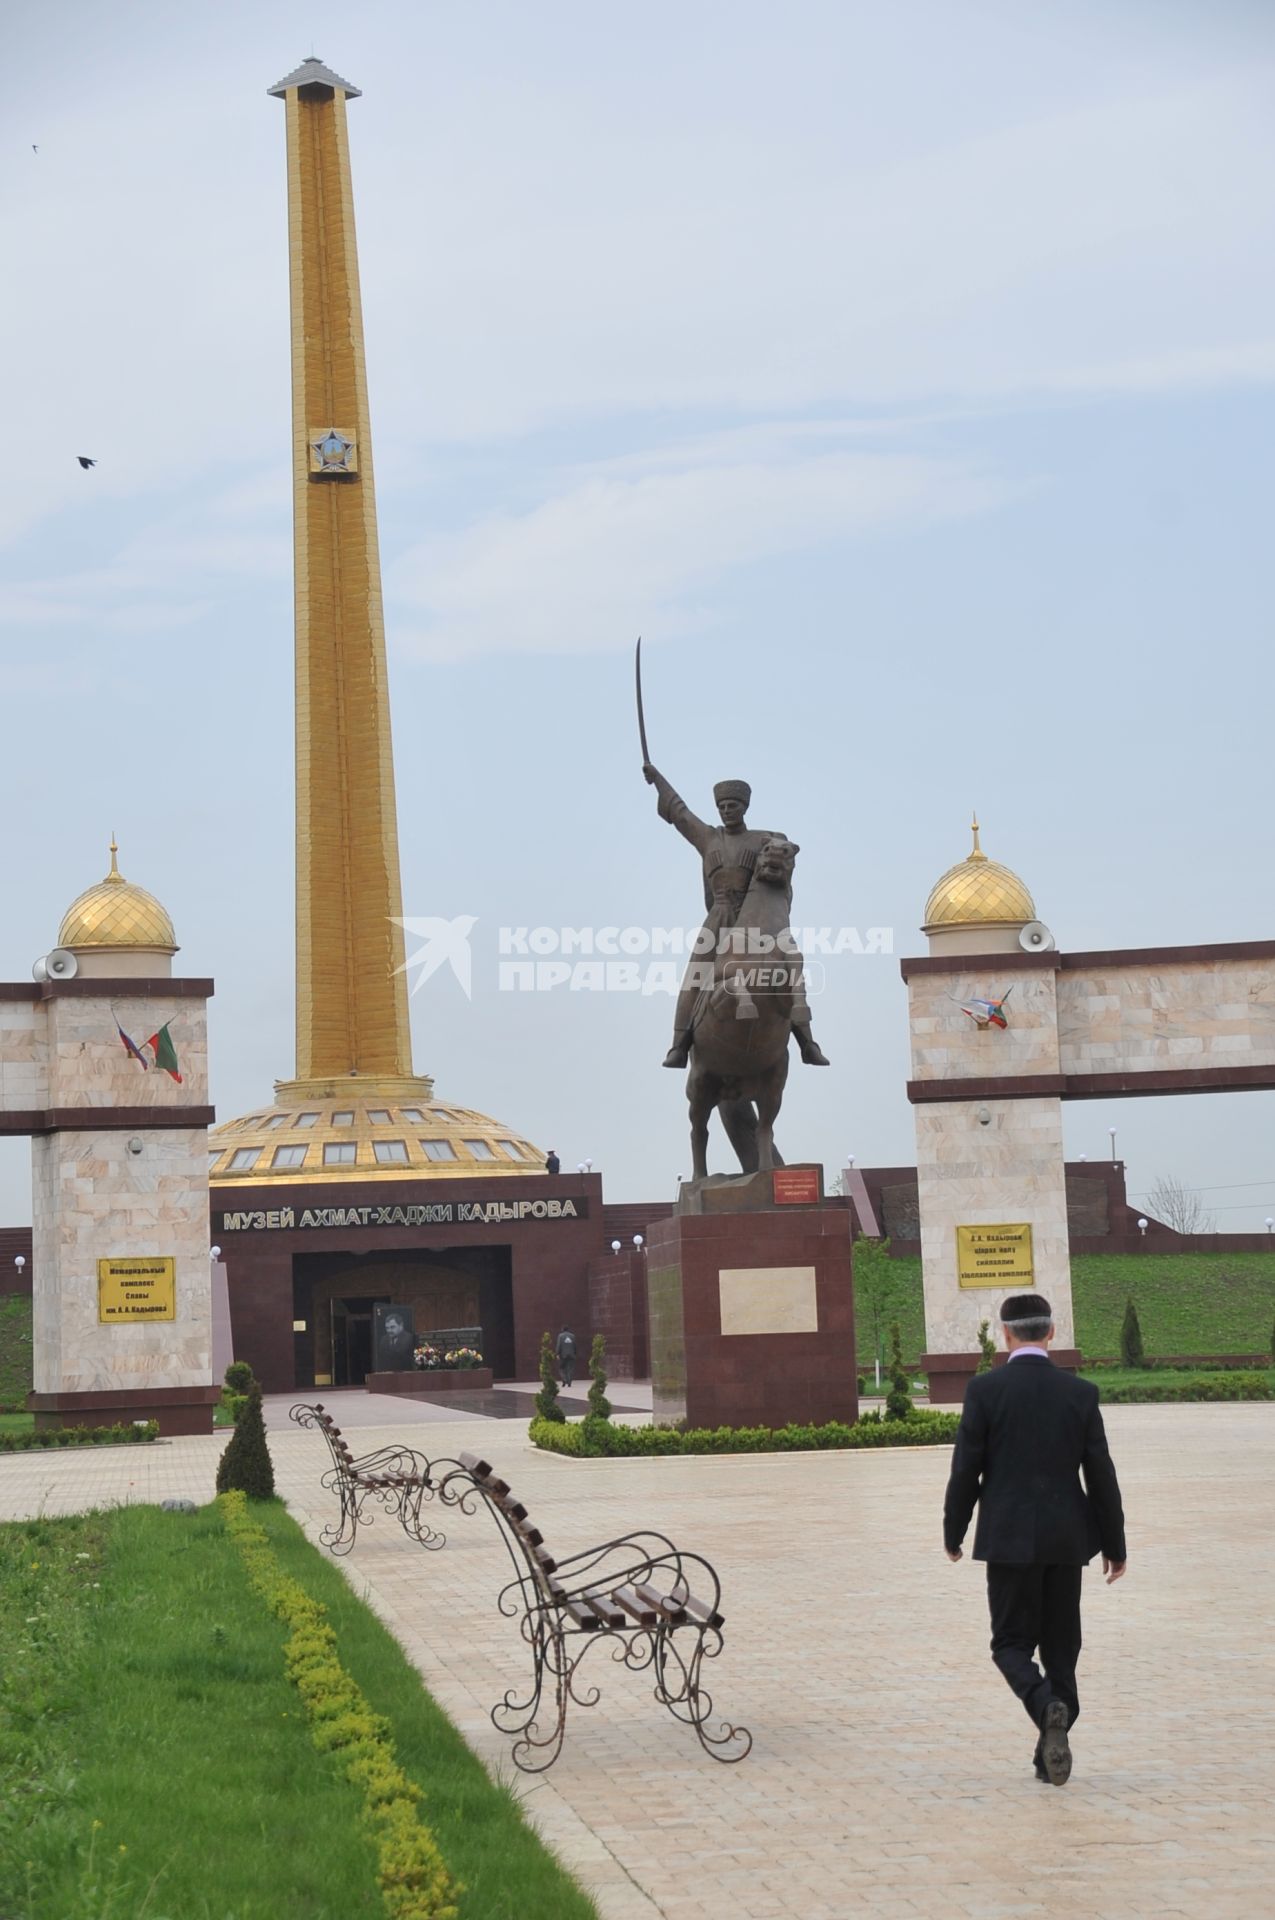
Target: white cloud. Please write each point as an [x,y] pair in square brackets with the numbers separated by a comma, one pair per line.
[615,553]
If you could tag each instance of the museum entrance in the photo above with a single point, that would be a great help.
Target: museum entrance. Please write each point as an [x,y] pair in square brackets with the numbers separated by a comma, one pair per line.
[334,1295]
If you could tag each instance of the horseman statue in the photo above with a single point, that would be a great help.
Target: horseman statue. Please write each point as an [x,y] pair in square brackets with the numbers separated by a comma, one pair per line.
[743,995]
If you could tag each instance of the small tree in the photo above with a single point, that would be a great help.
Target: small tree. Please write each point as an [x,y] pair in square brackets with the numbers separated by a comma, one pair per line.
[1179,1206]
[245,1466]
[239,1376]
[986,1347]
[547,1406]
[873,1284]
[599,1405]
[1132,1353]
[898,1402]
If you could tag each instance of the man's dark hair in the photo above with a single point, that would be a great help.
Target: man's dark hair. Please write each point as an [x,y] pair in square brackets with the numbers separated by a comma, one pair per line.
[1027,1315]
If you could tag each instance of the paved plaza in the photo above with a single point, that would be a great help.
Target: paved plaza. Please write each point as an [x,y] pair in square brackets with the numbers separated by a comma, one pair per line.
[891,1772]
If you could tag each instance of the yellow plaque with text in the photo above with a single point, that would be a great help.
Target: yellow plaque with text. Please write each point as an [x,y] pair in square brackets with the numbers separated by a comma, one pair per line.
[995,1256]
[141,1288]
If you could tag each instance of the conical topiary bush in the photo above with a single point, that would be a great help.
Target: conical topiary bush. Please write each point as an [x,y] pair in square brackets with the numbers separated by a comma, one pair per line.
[245,1466]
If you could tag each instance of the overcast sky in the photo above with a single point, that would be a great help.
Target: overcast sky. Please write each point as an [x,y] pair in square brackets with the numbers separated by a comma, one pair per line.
[904,374]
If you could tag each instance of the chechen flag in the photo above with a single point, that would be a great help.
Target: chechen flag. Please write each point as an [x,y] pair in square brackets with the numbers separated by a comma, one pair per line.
[161,1045]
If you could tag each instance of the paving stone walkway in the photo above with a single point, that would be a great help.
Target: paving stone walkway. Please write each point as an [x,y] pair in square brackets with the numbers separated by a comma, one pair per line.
[891,1772]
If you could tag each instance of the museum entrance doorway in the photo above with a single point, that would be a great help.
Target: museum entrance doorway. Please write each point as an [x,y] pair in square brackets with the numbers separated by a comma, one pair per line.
[334,1294]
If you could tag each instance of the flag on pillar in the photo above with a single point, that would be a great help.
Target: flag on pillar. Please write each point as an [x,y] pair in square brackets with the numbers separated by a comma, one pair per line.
[131,1047]
[161,1045]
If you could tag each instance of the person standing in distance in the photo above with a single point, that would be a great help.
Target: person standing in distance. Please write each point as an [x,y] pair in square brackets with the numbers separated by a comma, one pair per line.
[552,1162]
[1028,1432]
[566,1350]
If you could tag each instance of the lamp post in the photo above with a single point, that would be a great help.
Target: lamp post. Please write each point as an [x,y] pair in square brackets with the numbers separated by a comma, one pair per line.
[1270,1224]
[1142,1228]
[615,1246]
[1112,1132]
[20,1261]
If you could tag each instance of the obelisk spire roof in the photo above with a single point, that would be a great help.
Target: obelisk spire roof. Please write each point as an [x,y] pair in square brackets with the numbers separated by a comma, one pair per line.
[313,73]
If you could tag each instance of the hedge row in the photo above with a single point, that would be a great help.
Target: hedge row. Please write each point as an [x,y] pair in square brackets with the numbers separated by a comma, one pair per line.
[1210,1386]
[597,1439]
[125,1434]
[411,1872]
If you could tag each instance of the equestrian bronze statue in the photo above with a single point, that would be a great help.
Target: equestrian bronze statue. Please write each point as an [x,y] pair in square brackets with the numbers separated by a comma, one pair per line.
[743,994]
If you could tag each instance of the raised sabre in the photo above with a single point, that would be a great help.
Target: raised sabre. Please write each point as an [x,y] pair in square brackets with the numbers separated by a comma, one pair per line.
[646,758]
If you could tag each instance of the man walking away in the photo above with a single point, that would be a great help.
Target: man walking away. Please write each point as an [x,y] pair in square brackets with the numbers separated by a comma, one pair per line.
[1028,1431]
[567,1356]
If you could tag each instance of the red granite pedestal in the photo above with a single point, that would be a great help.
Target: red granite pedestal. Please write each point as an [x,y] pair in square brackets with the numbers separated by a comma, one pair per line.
[950,1373]
[177,1409]
[752,1318]
[428,1382]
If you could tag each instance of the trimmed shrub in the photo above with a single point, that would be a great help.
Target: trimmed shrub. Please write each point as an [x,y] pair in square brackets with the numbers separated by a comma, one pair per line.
[245,1466]
[1203,1386]
[986,1347]
[547,1404]
[239,1377]
[599,1405]
[594,1439]
[125,1434]
[898,1402]
[1132,1353]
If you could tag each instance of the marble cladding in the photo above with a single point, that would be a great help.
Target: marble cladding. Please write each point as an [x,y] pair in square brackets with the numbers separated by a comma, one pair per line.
[1210,1013]
[24,1056]
[92,1199]
[969,1174]
[88,1064]
[946,1043]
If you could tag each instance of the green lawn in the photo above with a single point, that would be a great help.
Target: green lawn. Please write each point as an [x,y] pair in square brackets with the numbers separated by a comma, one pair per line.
[155,1761]
[15,1352]
[1192,1303]
[16,1422]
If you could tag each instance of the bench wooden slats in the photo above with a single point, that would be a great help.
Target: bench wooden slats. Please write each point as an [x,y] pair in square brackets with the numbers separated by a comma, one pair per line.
[583,1615]
[608,1613]
[663,1603]
[642,1611]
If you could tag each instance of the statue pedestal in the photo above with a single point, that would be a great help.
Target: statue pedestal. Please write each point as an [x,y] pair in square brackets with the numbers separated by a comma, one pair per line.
[799,1186]
[752,1318]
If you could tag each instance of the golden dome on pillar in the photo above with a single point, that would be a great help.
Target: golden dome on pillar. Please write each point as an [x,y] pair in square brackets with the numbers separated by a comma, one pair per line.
[115,913]
[977,893]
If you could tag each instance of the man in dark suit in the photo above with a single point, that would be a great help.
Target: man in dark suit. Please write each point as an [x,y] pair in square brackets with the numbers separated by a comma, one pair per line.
[1027,1433]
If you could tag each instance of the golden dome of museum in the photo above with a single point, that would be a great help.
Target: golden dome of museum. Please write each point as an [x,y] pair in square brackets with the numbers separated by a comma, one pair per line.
[362,1133]
[978,892]
[115,913]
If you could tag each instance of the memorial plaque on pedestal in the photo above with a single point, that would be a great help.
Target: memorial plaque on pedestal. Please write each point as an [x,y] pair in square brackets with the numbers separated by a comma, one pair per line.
[752,1319]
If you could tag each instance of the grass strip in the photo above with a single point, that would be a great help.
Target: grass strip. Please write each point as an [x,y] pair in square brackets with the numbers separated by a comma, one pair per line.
[413,1877]
[156,1764]
[593,1439]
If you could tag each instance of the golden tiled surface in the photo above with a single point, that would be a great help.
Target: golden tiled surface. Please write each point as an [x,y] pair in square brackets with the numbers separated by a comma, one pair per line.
[302,1114]
[891,1776]
[351,1003]
[977,892]
[115,913]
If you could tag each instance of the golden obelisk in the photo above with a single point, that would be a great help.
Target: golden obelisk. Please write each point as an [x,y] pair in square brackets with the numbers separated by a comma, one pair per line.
[355,1111]
[351,993]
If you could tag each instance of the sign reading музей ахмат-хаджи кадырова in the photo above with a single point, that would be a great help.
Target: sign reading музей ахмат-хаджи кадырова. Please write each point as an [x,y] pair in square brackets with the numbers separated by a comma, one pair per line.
[435,1213]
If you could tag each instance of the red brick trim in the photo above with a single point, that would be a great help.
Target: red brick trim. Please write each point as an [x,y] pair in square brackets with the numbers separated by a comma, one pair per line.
[1097,1086]
[31,1120]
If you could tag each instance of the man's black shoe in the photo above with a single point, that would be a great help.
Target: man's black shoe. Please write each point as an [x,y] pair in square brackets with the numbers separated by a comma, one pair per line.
[1055,1750]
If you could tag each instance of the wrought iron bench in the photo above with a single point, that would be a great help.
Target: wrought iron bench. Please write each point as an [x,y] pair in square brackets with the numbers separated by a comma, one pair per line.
[633,1593]
[395,1478]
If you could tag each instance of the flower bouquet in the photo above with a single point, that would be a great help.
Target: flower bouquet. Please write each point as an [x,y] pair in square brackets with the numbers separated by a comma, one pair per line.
[463,1357]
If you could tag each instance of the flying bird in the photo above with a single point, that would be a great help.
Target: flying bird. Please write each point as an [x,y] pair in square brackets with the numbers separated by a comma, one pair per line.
[34,148]
[84,461]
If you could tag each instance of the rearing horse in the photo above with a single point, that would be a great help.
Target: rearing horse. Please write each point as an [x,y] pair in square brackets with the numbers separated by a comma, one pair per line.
[741,1027]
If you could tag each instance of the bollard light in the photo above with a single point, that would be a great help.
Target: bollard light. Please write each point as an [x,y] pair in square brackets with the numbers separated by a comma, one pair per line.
[615,1246]
[1142,1228]
[214,1253]
[637,1240]
[20,1259]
